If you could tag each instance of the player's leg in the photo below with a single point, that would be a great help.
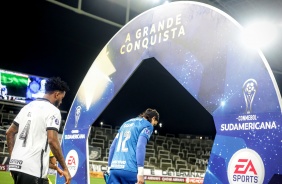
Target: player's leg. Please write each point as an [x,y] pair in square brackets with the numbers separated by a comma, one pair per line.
[127,177]
[114,177]
[14,175]
[43,181]
[122,177]
[22,178]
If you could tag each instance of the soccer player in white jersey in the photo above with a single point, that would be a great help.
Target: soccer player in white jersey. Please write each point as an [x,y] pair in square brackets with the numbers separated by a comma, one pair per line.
[127,151]
[33,133]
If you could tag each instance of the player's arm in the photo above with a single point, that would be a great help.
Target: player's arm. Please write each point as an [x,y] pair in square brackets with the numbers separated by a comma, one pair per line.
[140,157]
[53,165]
[57,152]
[55,147]
[111,151]
[11,135]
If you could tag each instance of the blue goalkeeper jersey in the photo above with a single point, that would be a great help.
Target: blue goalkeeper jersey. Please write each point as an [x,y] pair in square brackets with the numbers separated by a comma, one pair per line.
[124,156]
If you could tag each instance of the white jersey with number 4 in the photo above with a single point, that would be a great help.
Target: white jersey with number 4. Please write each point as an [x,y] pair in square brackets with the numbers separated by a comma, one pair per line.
[31,150]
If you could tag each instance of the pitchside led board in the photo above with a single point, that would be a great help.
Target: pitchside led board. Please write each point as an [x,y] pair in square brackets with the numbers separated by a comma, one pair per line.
[203,48]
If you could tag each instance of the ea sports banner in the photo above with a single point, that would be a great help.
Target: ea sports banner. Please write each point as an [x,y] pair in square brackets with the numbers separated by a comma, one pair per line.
[203,48]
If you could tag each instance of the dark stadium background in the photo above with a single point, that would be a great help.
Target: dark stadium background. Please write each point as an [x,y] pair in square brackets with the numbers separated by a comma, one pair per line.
[42,38]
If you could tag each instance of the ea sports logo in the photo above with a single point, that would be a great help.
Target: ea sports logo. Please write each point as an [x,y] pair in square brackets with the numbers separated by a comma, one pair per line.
[246,167]
[72,162]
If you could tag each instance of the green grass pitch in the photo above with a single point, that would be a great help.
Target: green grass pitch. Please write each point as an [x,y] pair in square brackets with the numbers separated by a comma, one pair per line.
[5,178]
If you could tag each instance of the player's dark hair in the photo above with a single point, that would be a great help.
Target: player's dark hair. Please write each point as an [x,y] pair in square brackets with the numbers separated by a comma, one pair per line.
[149,114]
[55,84]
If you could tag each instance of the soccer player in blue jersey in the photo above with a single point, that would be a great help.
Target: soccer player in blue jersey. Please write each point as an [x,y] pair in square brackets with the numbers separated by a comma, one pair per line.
[127,151]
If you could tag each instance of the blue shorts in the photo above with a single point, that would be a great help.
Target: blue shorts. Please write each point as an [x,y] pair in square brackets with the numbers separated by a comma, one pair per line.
[122,177]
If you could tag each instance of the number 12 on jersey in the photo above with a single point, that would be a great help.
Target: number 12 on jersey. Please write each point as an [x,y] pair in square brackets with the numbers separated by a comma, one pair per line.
[122,138]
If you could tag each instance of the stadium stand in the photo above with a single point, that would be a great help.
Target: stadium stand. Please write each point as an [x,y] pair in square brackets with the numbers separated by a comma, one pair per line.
[153,161]
[165,163]
[181,155]
[181,164]
[169,135]
[165,145]
[163,154]
[160,139]
[150,146]
[150,153]
[169,152]
[107,128]
[3,142]
[97,142]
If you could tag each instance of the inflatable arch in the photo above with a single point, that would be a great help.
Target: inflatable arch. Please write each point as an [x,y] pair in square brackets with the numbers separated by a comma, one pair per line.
[203,49]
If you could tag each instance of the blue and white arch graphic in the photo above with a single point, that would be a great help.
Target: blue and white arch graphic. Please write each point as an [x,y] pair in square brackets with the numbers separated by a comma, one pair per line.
[202,47]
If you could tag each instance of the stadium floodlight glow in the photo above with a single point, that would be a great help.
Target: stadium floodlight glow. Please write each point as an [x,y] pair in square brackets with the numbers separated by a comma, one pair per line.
[101,123]
[222,103]
[161,125]
[156,131]
[156,1]
[260,34]
[166,2]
